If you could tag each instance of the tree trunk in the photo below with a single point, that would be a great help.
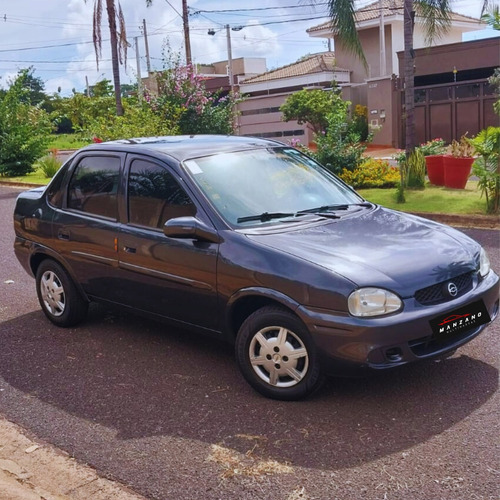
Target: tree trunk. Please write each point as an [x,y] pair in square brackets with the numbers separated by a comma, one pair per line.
[409,77]
[110,7]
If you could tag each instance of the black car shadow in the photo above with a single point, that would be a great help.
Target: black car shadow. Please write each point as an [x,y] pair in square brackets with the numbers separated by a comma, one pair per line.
[143,378]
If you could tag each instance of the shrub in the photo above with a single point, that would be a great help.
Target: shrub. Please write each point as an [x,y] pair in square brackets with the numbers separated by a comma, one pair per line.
[359,123]
[186,105]
[24,131]
[338,148]
[412,170]
[337,137]
[138,121]
[339,156]
[372,173]
[415,170]
[487,166]
[49,165]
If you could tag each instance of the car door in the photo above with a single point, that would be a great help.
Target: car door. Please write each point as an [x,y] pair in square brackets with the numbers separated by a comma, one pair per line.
[86,225]
[172,277]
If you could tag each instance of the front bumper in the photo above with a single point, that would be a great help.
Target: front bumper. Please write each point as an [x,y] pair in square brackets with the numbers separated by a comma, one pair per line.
[347,344]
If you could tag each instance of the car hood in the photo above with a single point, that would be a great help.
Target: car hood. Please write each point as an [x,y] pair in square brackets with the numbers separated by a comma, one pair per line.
[381,247]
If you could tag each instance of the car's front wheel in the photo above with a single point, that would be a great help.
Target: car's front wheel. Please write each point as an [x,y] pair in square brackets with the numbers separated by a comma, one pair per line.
[276,354]
[59,298]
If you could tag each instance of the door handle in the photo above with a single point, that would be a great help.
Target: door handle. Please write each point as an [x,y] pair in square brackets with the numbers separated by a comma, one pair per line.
[129,249]
[63,235]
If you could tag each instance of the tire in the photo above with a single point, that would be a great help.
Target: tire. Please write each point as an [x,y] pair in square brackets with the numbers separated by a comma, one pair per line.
[277,355]
[59,298]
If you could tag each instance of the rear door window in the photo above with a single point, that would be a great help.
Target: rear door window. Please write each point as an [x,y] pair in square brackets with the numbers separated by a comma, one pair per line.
[94,185]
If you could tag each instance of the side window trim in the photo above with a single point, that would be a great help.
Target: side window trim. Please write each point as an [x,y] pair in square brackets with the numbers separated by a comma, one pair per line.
[75,162]
[154,162]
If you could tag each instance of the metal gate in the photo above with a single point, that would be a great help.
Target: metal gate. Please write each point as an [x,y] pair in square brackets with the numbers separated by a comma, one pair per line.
[452,110]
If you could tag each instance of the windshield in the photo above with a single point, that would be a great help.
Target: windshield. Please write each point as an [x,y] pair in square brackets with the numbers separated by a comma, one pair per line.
[264,185]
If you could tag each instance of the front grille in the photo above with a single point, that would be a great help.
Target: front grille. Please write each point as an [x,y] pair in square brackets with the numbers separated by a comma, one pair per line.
[435,294]
[427,346]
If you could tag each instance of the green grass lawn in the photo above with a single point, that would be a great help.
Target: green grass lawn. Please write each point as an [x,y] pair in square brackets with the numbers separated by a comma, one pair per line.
[432,199]
[36,177]
[66,141]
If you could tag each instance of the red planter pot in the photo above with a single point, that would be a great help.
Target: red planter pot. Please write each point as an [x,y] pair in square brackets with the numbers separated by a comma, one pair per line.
[456,171]
[435,169]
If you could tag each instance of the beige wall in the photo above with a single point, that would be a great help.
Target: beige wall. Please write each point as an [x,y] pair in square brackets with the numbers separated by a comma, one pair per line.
[243,66]
[269,123]
[379,102]
[371,46]
[394,42]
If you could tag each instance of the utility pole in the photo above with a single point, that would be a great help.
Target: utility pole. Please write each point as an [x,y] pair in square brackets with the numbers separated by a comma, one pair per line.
[185,21]
[383,66]
[87,85]
[148,60]
[229,59]
[138,62]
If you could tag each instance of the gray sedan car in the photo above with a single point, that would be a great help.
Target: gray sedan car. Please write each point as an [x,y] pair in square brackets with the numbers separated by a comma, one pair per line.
[251,241]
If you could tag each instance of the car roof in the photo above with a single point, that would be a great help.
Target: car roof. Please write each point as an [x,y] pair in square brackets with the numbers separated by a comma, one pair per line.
[182,147]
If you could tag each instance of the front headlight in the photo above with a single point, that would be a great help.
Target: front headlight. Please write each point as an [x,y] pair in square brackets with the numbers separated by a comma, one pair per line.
[373,302]
[484,263]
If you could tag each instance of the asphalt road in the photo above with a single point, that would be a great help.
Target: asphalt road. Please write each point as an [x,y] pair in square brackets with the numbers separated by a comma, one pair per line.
[167,413]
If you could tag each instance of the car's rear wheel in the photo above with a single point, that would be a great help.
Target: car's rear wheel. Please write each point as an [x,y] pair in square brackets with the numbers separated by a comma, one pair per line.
[277,355]
[59,298]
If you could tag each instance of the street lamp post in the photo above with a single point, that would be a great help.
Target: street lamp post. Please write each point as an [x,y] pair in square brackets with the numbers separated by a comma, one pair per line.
[229,52]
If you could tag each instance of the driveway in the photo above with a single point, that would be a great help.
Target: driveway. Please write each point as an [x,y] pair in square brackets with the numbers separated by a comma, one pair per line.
[167,413]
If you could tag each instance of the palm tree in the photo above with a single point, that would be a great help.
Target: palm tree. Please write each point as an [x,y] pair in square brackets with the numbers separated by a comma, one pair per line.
[435,15]
[118,39]
[492,17]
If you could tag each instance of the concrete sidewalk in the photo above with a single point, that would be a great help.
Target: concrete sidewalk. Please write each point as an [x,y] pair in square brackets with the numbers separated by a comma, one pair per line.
[382,152]
[33,470]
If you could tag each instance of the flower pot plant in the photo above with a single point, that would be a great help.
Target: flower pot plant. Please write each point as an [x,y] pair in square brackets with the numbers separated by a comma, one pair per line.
[433,152]
[458,164]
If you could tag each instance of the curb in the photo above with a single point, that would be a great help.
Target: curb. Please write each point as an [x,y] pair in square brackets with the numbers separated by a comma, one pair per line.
[463,220]
[31,469]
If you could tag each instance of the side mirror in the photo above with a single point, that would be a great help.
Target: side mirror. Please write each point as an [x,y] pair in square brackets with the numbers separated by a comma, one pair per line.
[190,228]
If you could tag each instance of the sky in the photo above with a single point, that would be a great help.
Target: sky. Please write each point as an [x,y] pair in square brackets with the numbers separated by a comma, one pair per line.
[55,36]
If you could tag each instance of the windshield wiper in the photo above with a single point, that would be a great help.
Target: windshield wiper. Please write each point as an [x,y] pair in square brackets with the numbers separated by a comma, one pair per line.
[266,216]
[324,209]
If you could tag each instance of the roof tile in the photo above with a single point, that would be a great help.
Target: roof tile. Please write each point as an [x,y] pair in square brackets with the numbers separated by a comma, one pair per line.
[391,8]
[316,63]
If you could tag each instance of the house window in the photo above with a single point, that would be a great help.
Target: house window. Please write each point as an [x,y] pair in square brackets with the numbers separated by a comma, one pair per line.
[261,111]
[269,135]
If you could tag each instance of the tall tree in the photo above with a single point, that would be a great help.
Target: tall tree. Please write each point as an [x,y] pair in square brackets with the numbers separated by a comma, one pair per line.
[118,39]
[34,86]
[435,16]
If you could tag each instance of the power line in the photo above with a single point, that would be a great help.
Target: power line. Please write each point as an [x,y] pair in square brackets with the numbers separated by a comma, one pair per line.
[49,62]
[175,10]
[215,11]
